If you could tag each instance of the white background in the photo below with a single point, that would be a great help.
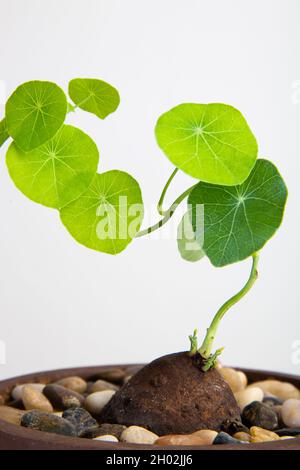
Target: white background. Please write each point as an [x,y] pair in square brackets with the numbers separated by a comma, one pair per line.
[64,305]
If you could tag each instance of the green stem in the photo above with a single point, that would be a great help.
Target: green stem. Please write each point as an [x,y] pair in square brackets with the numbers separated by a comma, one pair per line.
[162,197]
[205,349]
[168,214]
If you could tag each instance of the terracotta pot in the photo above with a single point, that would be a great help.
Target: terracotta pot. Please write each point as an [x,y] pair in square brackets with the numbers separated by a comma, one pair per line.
[14,437]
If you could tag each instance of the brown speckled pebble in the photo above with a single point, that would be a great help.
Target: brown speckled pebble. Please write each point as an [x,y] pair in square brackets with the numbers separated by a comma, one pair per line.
[77,384]
[62,398]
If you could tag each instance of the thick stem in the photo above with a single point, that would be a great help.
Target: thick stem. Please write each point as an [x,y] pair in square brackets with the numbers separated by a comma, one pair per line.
[205,349]
[162,197]
[168,214]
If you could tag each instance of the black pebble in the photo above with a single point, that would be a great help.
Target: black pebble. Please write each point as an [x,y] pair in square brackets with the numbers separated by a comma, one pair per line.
[258,414]
[224,438]
[234,426]
[288,432]
[81,419]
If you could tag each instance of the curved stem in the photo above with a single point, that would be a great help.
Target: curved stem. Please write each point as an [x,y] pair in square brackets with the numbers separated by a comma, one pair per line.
[168,214]
[162,197]
[205,349]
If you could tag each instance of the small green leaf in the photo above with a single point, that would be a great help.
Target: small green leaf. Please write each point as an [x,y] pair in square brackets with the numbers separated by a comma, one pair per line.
[189,247]
[34,113]
[239,220]
[108,215]
[211,142]
[94,95]
[58,171]
[3,132]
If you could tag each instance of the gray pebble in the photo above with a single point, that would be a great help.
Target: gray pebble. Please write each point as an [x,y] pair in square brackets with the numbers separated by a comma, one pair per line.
[224,438]
[258,414]
[47,422]
[81,419]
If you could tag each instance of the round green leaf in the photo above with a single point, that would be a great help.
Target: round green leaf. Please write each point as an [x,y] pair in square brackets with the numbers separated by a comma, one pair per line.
[34,113]
[108,215]
[3,132]
[211,142]
[58,171]
[239,220]
[94,95]
[189,247]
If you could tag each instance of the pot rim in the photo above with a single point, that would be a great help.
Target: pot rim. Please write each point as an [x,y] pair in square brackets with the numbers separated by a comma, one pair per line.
[17,437]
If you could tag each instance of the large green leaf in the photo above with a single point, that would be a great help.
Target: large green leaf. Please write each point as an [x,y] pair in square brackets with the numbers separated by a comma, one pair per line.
[94,95]
[189,247]
[34,113]
[211,142]
[3,132]
[239,220]
[108,215]
[58,171]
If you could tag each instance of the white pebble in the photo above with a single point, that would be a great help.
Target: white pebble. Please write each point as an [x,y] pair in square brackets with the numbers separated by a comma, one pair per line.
[235,381]
[96,401]
[290,413]
[283,390]
[247,396]
[106,438]
[138,435]
[17,391]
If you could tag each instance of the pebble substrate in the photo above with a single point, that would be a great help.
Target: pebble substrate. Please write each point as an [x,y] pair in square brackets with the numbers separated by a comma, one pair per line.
[270,410]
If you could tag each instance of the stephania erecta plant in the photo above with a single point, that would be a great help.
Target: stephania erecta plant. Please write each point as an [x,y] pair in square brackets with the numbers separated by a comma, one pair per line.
[240,199]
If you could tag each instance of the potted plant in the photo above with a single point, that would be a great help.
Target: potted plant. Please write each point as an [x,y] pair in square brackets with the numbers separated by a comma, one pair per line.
[234,207]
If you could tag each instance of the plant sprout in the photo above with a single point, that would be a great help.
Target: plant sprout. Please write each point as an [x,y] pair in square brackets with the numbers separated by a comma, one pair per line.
[55,164]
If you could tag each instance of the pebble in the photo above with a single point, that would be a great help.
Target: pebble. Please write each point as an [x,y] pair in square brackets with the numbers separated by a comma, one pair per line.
[232,427]
[247,396]
[62,398]
[242,436]
[243,378]
[288,432]
[138,435]
[111,375]
[181,440]
[234,379]
[47,422]
[77,384]
[35,400]
[290,413]
[106,438]
[101,385]
[111,429]
[11,415]
[258,414]
[272,401]
[262,435]
[96,401]
[224,438]
[82,421]
[283,390]
[17,391]
[207,435]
